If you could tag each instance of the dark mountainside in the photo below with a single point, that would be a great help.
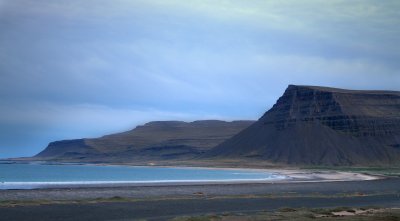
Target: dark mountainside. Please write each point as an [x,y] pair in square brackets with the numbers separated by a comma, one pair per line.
[307,126]
[159,140]
[322,126]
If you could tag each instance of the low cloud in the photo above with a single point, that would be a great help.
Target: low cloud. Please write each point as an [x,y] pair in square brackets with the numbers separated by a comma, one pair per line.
[85,68]
[27,130]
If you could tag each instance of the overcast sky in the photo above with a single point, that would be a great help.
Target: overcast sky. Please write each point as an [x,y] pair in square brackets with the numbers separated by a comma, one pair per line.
[85,68]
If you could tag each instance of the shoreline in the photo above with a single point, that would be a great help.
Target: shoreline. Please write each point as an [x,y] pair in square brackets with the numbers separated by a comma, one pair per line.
[160,190]
[159,202]
[162,201]
[94,184]
[284,175]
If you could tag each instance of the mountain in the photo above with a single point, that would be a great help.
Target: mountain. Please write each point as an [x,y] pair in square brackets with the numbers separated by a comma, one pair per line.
[159,140]
[322,126]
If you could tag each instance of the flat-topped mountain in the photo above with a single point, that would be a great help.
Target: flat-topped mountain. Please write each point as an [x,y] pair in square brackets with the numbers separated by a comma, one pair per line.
[308,125]
[322,126]
[159,140]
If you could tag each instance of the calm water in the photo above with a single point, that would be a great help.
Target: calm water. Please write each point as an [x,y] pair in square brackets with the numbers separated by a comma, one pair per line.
[27,176]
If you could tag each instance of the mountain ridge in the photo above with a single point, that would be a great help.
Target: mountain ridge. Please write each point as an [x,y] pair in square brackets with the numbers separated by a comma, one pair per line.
[156,140]
[308,125]
[312,125]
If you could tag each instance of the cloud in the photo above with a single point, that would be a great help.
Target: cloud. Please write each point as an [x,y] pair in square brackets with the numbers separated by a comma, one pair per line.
[84,68]
[28,129]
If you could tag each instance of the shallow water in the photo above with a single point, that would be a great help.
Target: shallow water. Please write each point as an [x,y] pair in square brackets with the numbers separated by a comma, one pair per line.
[28,176]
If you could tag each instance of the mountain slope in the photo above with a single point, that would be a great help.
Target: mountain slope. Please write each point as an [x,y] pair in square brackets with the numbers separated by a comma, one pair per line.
[159,140]
[322,126]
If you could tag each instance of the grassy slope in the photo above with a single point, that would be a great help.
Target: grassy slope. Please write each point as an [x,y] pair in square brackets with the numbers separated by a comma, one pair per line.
[303,214]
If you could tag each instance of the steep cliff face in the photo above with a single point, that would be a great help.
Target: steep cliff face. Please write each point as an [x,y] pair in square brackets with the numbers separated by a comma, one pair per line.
[159,140]
[322,126]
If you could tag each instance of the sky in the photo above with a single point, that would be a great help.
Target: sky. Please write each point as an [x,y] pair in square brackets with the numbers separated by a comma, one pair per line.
[85,68]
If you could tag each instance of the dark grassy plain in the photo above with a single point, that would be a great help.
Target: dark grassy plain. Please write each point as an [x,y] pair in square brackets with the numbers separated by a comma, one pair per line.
[245,201]
[237,208]
[305,214]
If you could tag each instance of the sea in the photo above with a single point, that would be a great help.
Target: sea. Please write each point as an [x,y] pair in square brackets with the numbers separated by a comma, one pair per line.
[37,175]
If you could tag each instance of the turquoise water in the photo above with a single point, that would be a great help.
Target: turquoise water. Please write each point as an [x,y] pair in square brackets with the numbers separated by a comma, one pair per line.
[28,176]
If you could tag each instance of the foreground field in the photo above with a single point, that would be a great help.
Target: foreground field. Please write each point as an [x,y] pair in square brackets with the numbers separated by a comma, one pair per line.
[304,214]
[238,208]
[245,201]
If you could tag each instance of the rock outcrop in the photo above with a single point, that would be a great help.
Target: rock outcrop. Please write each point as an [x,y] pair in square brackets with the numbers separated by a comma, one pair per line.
[322,126]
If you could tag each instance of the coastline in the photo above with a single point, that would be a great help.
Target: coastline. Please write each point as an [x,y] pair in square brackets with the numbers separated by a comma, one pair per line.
[162,190]
[162,202]
[285,175]
[88,184]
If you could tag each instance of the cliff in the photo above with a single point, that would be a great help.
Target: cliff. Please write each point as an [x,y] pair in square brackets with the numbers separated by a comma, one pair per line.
[322,126]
